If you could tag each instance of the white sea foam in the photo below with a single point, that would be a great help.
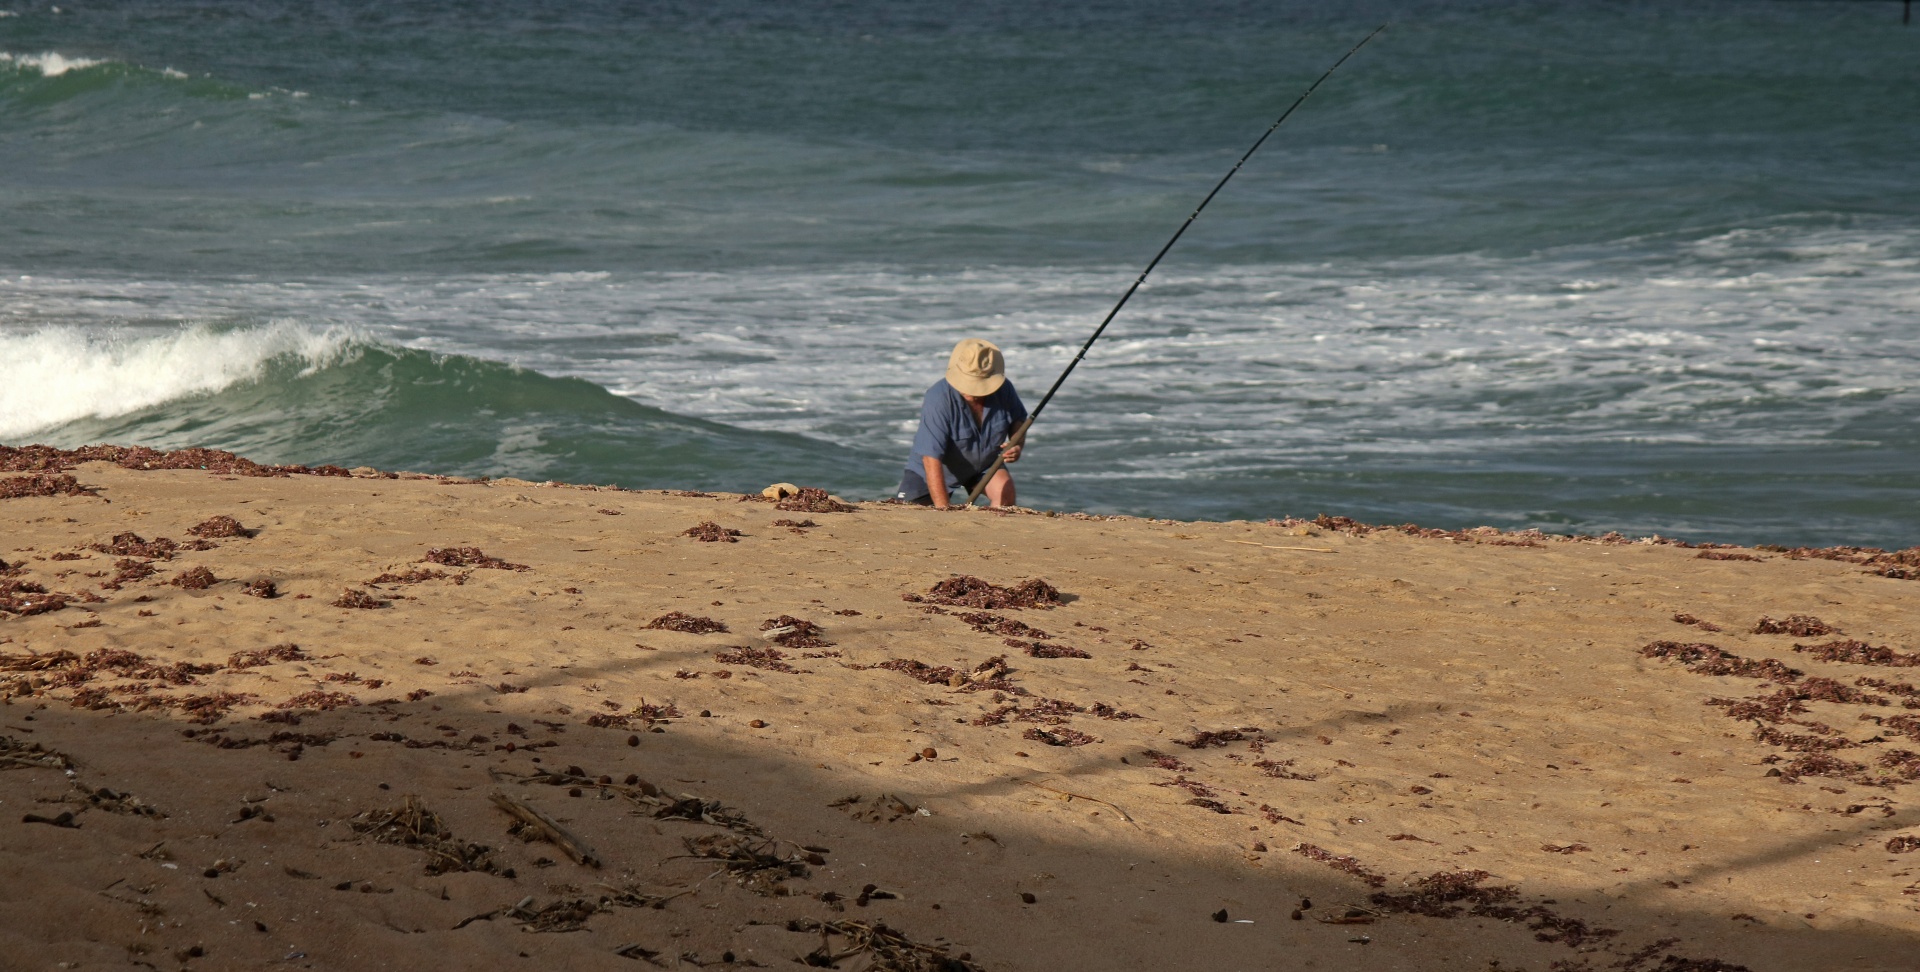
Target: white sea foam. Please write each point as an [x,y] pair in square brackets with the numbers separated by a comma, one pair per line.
[1217,368]
[50,64]
[56,375]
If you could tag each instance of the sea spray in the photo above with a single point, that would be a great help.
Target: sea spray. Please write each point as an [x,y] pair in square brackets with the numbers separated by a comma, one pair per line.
[50,64]
[58,375]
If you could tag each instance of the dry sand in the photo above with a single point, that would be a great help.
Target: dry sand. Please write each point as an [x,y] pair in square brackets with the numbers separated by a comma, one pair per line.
[1389,707]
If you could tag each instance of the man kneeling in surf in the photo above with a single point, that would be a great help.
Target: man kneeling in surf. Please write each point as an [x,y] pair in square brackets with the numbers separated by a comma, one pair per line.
[965,421]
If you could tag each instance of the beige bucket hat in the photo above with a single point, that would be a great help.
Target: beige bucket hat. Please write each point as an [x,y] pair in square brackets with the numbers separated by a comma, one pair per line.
[976,368]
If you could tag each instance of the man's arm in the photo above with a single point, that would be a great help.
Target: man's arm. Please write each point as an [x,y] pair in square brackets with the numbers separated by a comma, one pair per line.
[936,481]
[1017,411]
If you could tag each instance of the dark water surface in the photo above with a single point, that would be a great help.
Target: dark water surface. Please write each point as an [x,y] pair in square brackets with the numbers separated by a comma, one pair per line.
[1577,266]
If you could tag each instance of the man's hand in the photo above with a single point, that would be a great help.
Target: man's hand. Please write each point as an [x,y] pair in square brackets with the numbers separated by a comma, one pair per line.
[1011,452]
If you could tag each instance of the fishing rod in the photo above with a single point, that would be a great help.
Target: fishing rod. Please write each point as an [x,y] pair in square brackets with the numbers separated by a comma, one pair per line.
[1019,434]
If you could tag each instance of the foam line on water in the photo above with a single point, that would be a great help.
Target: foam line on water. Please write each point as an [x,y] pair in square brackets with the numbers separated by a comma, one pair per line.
[60,374]
[51,64]
[1759,337]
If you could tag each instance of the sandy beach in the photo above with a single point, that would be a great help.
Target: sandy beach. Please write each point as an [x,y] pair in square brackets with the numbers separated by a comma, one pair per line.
[516,725]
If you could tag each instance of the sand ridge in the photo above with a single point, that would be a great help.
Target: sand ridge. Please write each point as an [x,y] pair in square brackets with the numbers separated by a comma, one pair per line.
[1456,749]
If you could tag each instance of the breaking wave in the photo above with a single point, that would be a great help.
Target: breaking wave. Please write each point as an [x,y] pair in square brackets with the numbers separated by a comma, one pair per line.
[281,391]
[59,375]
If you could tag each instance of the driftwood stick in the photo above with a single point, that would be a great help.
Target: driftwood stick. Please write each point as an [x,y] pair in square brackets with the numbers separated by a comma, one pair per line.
[30,762]
[1078,796]
[560,836]
[470,919]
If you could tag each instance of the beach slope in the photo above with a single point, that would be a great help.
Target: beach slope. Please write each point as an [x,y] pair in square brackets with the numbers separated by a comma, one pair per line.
[486,723]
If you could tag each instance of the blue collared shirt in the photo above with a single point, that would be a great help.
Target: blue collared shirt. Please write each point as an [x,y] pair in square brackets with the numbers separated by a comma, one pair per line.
[949,433]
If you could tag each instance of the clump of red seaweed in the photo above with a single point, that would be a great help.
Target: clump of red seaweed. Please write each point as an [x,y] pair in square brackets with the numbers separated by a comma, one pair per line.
[653,712]
[416,575]
[1829,690]
[468,557]
[1822,741]
[126,664]
[1904,762]
[25,597]
[1219,737]
[242,660]
[646,713]
[966,591]
[1575,848]
[1283,770]
[194,579]
[128,570]
[1859,653]
[320,700]
[48,459]
[1898,564]
[812,500]
[1058,736]
[1691,621]
[354,598]
[43,484]
[921,671]
[767,659]
[219,527]
[1039,649]
[678,621]
[792,632]
[995,624]
[1340,862]
[1778,708]
[1439,895]
[1823,764]
[131,544]
[1775,707]
[1052,712]
[1708,659]
[263,588]
[1195,787]
[1903,689]
[65,670]
[33,661]
[1904,725]
[1450,893]
[1167,762]
[1797,625]
[988,676]
[708,531]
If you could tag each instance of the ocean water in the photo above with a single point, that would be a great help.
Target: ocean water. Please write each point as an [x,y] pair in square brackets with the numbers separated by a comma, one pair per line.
[1578,266]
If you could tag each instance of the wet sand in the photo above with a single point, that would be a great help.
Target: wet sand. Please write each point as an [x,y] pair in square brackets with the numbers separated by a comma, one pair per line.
[1227,746]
